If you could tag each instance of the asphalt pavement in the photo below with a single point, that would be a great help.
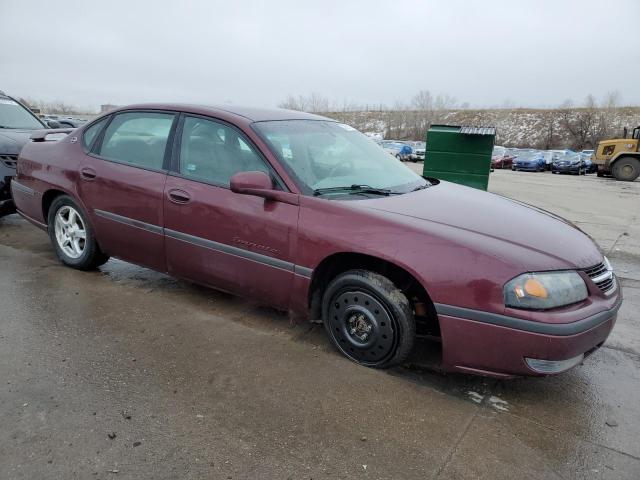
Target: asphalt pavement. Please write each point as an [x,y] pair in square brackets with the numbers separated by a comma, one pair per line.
[127,373]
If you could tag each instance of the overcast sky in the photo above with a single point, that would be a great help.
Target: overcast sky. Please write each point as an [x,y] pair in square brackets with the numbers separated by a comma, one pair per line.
[529,53]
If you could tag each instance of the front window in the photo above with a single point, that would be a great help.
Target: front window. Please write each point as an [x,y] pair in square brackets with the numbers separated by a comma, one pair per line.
[14,115]
[324,155]
[213,152]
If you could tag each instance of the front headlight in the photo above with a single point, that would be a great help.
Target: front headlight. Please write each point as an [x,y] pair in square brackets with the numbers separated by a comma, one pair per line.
[542,291]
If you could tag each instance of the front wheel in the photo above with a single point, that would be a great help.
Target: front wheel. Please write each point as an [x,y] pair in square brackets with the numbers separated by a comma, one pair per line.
[626,169]
[368,319]
[72,236]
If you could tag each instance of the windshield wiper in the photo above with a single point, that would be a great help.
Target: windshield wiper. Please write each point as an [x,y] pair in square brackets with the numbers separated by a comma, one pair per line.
[355,188]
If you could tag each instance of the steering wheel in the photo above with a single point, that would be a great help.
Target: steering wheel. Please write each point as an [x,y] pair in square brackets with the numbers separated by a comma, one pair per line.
[344,163]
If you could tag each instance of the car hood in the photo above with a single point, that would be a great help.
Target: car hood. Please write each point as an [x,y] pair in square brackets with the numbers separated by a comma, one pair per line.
[529,236]
[12,141]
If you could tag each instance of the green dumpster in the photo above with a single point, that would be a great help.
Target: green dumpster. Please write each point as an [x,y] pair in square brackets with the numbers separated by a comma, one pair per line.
[459,154]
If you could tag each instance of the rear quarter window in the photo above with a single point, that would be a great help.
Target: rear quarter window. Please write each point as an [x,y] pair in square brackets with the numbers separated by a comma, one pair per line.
[92,132]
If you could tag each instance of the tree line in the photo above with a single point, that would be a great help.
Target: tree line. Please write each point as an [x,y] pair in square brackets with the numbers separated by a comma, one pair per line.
[576,126]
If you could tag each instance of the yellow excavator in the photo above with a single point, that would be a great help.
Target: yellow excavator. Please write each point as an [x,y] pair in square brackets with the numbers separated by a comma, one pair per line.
[619,157]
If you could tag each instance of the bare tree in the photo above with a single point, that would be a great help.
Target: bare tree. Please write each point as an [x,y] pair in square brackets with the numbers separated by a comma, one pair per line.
[422,101]
[317,103]
[294,103]
[314,102]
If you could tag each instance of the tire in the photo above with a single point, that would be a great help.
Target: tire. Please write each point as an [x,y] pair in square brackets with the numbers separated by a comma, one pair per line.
[71,235]
[368,319]
[599,173]
[626,169]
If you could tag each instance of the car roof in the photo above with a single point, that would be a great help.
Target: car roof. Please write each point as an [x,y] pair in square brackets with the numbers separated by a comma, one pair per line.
[248,113]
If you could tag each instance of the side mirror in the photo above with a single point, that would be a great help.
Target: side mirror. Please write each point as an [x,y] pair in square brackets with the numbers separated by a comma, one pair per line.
[260,184]
[52,124]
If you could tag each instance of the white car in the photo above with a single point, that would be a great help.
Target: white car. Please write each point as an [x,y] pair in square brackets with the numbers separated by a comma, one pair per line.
[419,150]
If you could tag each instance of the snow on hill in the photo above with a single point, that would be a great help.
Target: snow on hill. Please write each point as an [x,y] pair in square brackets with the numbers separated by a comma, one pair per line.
[536,128]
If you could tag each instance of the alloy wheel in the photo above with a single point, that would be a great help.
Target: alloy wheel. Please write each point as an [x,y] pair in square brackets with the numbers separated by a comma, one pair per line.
[70,232]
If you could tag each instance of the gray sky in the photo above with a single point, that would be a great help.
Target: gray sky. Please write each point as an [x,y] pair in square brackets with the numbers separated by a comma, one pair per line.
[531,52]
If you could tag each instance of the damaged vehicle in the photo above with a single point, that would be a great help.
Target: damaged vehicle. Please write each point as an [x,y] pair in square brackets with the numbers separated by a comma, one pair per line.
[17,122]
[308,215]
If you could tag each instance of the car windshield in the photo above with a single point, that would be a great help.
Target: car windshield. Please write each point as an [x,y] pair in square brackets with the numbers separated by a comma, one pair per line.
[323,155]
[14,115]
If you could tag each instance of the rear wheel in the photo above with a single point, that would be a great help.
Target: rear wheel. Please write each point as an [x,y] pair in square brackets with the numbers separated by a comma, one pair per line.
[72,236]
[368,319]
[626,169]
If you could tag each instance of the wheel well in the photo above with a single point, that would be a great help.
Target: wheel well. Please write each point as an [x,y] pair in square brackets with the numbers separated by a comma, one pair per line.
[332,266]
[47,199]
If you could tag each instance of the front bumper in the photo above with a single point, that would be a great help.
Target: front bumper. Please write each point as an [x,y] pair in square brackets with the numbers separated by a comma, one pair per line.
[7,206]
[527,168]
[566,168]
[471,344]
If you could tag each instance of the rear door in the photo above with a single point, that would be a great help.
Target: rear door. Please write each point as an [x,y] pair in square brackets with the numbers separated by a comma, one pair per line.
[240,243]
[121,183]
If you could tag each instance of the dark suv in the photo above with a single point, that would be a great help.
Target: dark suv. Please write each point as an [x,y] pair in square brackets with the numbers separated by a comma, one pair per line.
[17,123]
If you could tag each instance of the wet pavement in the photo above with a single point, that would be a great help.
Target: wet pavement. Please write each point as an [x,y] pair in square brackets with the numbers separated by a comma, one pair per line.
[127,373]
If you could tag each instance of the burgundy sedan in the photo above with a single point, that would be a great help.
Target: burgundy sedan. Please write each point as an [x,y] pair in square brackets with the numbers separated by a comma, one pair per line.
[500,158]
[308,215]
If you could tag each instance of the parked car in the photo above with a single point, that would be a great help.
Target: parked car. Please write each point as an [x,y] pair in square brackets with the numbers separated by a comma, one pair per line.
[17,122]
[331,228]
[532,161]
[418,151]
[572,163]
[63,122]
[501,158]
[590,166]
[401,151]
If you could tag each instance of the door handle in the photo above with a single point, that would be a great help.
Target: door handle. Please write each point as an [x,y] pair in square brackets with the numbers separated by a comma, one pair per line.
[87,173]
[178,196]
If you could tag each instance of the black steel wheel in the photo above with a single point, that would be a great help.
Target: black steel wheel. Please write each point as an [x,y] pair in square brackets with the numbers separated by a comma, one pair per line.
[368,319]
